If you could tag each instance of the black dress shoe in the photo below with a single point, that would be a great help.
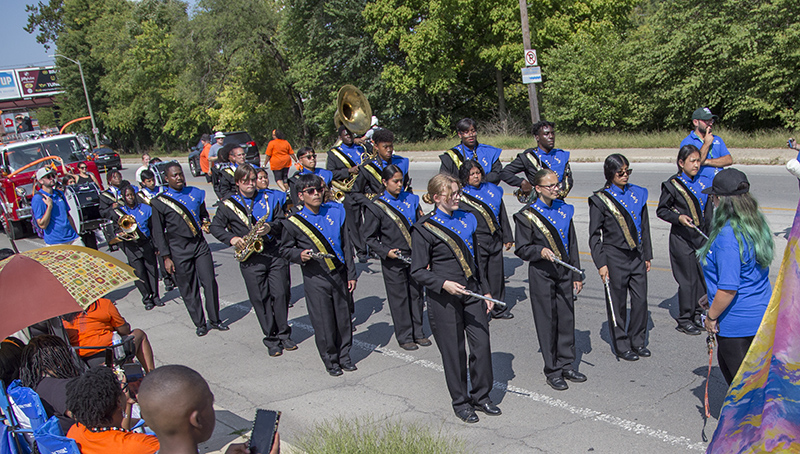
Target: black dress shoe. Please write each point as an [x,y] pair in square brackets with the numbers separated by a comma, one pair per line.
[688,328]
[629,355]
[489,408]
[424,342]
[275,351]
[557,383]
[201,331]
[362,257]
[220,326]
[335,371]
[642,351]
[349,367]
[697,320]
[289,344]
[504,316]
[409,346]
[148,306]
[573,375]
[157,301]
[467,415]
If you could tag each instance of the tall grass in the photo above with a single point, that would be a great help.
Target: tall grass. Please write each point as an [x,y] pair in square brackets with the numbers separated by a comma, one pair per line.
[366,436]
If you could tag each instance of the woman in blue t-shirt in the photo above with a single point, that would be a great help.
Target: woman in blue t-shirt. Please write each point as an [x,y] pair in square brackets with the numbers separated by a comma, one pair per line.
[736,267]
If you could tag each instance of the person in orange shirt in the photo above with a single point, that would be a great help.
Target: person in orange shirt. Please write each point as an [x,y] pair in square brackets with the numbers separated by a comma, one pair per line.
[96,400]
[95,327]
[204,165]
[280,155]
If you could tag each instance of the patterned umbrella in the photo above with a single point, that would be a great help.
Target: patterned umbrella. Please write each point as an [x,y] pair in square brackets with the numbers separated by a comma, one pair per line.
[43,283]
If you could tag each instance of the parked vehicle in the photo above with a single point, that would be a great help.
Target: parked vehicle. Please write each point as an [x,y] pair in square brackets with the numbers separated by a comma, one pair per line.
[19,162]
[240,138]
[105,158]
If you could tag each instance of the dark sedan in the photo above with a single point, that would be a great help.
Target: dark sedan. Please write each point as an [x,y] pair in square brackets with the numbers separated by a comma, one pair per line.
[240,138]
[105,158]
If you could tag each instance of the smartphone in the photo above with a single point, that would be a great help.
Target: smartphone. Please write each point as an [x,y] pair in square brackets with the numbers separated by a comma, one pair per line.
[264,428]
[133,377]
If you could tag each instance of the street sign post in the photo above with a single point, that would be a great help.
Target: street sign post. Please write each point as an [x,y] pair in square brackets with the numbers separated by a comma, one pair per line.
[531,74]
[530,57]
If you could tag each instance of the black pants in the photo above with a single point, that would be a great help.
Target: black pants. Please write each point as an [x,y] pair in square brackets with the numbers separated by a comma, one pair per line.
[554,318]
[689,275]
[145,264]
[267,281]
[492,265]
[405,301]
[730,354]
[451,317]
[353,221]
[327,299]
[194,267]
[627,273]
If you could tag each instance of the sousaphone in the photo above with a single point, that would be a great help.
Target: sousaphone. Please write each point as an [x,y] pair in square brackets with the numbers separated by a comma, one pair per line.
[352,110]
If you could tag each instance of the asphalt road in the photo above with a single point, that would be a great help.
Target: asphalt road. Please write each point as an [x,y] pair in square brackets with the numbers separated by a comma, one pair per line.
[652,405]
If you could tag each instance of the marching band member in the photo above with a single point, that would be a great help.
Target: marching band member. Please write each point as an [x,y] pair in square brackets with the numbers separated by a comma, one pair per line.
[544,156]
[111,198]
[138,246]
[344,161]
[485,201]
[262,179]
[387,223]
[443,260]
[545,231]
[469,148]
[369,179]
[227,185]
[148,188]
[619,238]
[328,280]
[265,272]
[684,205]
[307,159]
[179,214]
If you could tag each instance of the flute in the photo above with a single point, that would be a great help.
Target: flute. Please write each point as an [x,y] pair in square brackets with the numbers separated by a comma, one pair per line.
[406,260]
[322,255]
[570,267]
[692,224]
[496,302]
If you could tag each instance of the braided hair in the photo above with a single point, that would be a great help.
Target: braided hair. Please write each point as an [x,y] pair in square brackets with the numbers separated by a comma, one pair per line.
[47,356]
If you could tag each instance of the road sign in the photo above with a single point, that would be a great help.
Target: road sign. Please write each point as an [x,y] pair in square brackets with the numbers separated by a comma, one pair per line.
[531,74]
[530,57]
[95,130]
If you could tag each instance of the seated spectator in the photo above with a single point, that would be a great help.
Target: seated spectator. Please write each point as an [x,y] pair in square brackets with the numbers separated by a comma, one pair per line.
[97,401]
[47,365]
[178,406]
[95,327]
[10,359]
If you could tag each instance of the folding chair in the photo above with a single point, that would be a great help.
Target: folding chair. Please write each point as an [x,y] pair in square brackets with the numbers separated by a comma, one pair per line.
[12,427]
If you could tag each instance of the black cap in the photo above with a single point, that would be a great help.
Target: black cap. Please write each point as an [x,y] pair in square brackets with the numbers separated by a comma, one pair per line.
[703,113]
[729,182]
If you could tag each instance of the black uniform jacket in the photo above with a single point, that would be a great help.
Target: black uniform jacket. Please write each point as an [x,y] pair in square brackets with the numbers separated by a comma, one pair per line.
[451,167]
[605,231]
[529,163]
[337,166]
[226,186]
[488,241]
[169,223]
[294,241]
[433,262]
[531,240]
[382,232]
[369,182]
[228,224]
[672,197]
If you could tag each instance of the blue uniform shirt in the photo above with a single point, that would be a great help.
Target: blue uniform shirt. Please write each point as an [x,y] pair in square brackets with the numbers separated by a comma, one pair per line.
[265,202]
[353,152]
[486,155]
[326,175]
[190,197]
[556,160]
[405,202]
[59,230]
[488,193]
[696,186]
[329,222]
[634,199]
[560,215]
[718,150]
[725,269]
[142,213]
[462,223]
[399,161]
[158,190]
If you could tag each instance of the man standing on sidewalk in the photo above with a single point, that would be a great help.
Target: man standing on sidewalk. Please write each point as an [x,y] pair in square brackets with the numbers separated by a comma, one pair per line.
[714,155]
[51,211]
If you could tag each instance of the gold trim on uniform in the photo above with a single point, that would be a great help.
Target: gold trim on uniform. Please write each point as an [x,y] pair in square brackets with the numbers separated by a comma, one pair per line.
[438,232]
[618,216]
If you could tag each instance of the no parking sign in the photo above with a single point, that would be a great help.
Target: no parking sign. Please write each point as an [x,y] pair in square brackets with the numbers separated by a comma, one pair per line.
[530,57]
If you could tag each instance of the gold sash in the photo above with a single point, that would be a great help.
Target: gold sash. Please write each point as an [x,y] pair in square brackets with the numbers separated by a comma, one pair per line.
[371,167]
[689,201]
[238,212]
[317,243]
[394,217]
[626,232]
[189,221]
[545,231]
[456,157]
[436,230]
[343,157]
[533,160]
[482,211]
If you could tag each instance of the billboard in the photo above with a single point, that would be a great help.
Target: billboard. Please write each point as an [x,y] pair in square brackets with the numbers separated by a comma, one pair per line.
[8,85]
[38,81]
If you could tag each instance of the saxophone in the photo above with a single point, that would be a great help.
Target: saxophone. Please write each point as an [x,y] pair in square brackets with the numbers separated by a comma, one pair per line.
[251,242]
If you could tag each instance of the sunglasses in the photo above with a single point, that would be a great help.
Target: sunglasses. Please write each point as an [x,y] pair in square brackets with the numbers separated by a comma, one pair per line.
[48,176]
[549,187]
[308,156]
[622,173]
[312,191]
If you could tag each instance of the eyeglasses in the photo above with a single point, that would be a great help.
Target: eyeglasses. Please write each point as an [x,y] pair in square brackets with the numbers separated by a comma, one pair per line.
[454,195]
[312,191]
[82,167]
[48,176]
[622,173]
[549,187]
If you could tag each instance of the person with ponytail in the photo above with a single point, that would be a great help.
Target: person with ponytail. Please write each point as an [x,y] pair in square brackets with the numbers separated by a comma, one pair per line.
[387,224]
[544,232]
[684,205]
[736,261]
[619,238]
[443,259]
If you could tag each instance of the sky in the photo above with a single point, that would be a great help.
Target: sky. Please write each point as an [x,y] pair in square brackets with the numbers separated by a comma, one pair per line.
[20,48]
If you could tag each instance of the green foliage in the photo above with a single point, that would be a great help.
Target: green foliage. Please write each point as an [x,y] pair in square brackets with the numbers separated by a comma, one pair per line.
[366,436]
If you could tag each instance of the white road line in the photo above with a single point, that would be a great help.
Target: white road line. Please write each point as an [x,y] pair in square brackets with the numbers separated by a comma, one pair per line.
[630,426]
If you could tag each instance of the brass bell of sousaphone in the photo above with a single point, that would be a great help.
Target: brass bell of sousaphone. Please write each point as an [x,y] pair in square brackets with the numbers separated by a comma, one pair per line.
[352,110]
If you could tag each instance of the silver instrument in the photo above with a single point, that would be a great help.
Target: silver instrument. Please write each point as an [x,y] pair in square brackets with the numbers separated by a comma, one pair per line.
[697,229]
[610,305]
[570,267]
[496,302]
[322,256]
[406,260]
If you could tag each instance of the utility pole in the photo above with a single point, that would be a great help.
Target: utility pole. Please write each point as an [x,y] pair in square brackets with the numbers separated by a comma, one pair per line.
[95,131]
[526,41]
